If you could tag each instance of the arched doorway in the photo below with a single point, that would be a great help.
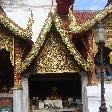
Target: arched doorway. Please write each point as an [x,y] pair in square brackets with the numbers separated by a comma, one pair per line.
[61,90]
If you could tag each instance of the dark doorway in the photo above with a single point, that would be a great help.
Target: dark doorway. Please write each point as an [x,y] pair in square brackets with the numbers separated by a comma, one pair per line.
[6,71]
[61,85]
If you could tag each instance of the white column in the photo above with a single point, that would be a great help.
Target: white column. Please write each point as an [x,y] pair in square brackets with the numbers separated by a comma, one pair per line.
[25,94]
[17,100]
[84,80]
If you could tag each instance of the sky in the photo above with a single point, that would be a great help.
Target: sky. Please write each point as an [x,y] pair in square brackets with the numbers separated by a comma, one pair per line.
[89,4]
[79,4]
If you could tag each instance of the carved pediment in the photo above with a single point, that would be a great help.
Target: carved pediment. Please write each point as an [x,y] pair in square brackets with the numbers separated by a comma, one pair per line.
[55,57]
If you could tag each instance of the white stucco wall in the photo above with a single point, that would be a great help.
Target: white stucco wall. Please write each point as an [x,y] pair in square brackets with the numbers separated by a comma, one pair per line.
[84,80]
[94,97]
[25,96]
[20,10]
[17,100]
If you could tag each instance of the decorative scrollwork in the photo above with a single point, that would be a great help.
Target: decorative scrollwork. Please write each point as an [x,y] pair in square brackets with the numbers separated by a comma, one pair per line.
[74,28]
[108,42]
[55,57]
[17,62]
[15,28]
[7,43]
[95,47]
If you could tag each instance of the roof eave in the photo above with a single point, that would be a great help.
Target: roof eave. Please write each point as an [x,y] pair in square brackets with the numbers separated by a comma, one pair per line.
[13,27]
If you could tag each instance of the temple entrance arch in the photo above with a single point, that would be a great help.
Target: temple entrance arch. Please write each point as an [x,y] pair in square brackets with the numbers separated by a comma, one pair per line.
[61,89]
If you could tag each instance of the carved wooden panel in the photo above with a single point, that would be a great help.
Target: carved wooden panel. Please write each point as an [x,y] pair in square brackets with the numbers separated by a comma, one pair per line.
[55,57]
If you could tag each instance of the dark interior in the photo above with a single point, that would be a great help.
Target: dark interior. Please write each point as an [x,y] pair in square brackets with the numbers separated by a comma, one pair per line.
[105,54]
[6,71]
[67,85]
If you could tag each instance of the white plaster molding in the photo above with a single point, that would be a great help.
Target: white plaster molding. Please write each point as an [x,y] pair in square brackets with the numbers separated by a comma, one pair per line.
[25,94]
[84,80]
[17,100]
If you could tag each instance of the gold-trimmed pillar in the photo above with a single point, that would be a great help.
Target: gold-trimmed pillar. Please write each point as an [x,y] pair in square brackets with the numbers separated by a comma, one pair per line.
[90,60]
[17,90]
[17,62]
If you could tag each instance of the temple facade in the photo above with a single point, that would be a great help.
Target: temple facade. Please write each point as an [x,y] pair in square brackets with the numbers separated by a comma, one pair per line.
[55,72]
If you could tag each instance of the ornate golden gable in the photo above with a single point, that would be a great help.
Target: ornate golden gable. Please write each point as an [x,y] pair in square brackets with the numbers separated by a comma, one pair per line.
[55,57]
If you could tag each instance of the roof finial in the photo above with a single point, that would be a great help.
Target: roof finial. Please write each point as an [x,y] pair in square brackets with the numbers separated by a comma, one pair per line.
[109,2]
[31,13]
[30,23]
[52,3]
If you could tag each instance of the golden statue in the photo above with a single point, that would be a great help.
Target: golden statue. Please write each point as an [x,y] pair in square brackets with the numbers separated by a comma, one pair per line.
[54,94]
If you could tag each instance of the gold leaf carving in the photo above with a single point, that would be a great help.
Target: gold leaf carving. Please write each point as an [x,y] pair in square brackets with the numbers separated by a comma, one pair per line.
[7,43]
[55,57]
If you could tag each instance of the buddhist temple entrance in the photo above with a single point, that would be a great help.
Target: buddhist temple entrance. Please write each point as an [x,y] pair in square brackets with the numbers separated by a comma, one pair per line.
[55,91]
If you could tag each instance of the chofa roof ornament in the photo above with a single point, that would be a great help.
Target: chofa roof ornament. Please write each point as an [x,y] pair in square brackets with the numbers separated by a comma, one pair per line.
[109,2]
[30,24]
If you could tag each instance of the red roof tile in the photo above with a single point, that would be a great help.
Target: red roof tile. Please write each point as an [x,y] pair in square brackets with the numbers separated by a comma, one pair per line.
[84,15]
[81,17]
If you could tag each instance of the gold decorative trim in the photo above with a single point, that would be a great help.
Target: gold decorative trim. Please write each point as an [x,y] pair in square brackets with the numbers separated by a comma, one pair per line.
[72,17]
[6,43]
[38,44]
[66,39]
[65,34]
[95,47]
[19,87]
[110,56]
[55,57]
[52,17]
[17,63]
[74,28]
[15,28]
[108,32]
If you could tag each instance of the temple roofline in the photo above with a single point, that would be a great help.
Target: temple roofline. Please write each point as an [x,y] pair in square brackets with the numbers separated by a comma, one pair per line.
[108,3]
[1,10]
[15,28]
[54,17]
